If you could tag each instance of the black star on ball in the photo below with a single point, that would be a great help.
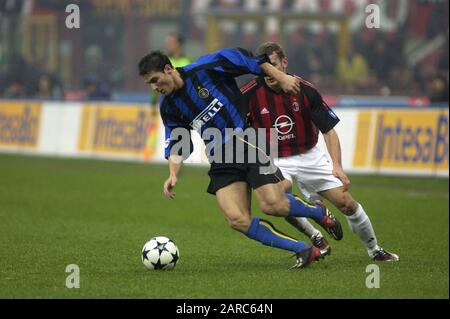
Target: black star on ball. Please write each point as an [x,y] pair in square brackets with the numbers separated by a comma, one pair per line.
[158,265]
[161,248]
[144,254]
[175,257]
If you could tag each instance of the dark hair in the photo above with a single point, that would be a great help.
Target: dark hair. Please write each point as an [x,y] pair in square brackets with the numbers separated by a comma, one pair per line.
[269,48]
[155,61]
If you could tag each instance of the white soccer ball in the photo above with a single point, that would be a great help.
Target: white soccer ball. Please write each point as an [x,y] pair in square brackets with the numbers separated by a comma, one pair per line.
[160,253]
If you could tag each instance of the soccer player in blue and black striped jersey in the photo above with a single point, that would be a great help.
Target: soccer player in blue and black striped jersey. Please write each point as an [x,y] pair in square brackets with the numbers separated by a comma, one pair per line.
[204,95]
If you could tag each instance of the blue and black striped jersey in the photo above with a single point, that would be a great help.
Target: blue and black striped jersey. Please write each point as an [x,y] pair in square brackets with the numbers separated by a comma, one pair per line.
[210,97]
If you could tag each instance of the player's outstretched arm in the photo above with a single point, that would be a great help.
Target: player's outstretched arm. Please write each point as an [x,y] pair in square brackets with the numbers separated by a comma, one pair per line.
[175,163]
[288,83]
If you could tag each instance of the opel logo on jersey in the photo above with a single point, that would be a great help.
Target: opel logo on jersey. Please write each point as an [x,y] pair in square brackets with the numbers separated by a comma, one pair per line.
[283,124]
[203,93]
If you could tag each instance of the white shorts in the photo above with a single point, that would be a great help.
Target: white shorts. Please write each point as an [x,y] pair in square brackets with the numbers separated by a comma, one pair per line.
[311,171]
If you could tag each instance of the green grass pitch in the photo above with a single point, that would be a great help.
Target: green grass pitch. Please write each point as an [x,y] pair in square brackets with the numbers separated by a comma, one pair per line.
[98,215]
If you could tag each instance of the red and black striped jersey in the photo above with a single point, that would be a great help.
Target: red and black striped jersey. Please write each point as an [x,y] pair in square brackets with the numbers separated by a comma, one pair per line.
[297,118]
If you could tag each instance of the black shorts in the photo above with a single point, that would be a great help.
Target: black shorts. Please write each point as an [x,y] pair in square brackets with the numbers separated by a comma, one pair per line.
[222,175]
[249,164]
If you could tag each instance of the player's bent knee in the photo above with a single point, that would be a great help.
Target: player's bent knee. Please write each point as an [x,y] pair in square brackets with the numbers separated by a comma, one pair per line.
[275,208]
[240,223]
[347,204]
[266,208]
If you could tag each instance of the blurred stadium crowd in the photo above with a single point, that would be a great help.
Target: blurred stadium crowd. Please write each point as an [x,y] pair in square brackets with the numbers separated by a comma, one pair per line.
[41,58]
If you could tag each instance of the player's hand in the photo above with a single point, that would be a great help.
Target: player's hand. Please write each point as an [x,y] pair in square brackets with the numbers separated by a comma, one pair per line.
[339,173]
[290,84]
[169,185]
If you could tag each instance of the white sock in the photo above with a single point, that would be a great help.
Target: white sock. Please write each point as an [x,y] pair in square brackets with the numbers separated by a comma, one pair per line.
[303,225]
[360,224]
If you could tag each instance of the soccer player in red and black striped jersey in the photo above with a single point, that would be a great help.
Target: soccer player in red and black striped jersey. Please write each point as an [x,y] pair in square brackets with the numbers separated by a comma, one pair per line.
[298,118]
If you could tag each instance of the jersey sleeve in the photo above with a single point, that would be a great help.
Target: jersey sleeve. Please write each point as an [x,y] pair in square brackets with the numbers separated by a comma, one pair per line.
[322,115]
[231,62]
[248,91]
[177,139]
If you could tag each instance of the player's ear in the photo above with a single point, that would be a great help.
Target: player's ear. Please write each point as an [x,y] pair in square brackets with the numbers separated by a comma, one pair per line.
[284,63]
[168,69]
